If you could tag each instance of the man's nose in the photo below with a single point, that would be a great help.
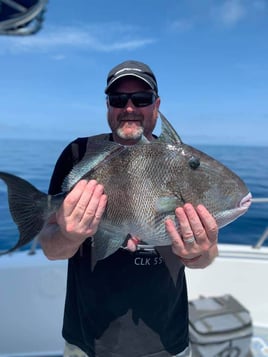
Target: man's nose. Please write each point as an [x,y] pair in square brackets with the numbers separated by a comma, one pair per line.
[130,107]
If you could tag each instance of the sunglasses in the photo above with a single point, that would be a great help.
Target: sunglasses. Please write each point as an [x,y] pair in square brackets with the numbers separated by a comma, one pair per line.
[139,99]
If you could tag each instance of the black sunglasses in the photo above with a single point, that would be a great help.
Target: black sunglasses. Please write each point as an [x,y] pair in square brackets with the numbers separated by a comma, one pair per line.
[139,99]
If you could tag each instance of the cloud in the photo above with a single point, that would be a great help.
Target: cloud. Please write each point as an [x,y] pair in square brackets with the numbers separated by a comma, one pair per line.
[93,38]
[226,13]
[230,12]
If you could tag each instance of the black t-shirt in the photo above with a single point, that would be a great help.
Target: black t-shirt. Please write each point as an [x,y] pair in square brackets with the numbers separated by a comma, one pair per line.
[131,304]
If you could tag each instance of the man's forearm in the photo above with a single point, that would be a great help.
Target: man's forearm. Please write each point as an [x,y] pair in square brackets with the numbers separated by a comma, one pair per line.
[55,245]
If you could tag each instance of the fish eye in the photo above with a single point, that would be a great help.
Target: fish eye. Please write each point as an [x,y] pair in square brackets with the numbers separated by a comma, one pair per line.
[194,162]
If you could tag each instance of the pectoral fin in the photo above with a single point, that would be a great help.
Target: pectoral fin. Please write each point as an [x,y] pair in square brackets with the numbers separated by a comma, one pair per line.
[166,204]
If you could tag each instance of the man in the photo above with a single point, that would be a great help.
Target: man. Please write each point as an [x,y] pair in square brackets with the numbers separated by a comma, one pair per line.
[134,302]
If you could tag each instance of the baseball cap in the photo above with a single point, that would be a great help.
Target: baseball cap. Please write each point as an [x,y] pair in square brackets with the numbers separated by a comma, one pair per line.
[132,68]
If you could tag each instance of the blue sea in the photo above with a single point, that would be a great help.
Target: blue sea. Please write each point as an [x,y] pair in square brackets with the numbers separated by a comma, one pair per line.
[34,161]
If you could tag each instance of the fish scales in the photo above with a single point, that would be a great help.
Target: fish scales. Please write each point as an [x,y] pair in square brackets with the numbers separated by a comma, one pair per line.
[125,181]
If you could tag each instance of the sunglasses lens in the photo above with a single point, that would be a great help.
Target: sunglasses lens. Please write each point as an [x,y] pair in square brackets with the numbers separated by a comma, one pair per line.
[139,99]
[142,99]
[118,100]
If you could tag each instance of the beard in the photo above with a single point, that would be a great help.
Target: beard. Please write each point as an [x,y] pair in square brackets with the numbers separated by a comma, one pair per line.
[130,135]
[131,127]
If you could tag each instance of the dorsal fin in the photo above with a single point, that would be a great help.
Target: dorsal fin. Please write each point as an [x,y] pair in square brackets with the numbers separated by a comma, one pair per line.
[168,134]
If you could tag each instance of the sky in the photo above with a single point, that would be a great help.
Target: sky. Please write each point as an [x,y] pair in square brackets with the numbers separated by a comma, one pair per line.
[210,58]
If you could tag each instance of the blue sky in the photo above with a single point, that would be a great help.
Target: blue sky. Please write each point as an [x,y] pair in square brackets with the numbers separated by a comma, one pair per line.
[210,58]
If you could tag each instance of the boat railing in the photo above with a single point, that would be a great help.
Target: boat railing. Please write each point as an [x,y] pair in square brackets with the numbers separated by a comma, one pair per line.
[262,239]
[264,235]
[33,247]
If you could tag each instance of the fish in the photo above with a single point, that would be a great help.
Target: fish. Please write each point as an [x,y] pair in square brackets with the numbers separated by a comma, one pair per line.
[144,183]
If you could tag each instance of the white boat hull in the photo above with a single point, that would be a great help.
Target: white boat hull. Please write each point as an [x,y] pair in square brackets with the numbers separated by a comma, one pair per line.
[33,293]
[32,301]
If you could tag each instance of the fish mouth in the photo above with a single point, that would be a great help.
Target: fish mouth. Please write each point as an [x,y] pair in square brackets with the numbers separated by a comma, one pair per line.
[246,202]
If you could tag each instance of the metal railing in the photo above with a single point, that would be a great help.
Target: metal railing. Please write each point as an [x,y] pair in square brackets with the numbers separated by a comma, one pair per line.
[262,239]
[264,235]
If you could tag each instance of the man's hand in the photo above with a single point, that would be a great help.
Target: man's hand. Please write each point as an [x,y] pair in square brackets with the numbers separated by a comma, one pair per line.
[80,214]
[77,219]
[196,241]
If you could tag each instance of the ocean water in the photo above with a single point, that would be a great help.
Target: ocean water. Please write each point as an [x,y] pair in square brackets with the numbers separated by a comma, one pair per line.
[34,161]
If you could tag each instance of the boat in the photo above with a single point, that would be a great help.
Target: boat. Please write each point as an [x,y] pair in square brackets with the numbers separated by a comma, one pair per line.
[33,293]
[32,288]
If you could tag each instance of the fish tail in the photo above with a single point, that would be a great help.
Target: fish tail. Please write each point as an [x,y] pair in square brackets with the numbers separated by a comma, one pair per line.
[28,207]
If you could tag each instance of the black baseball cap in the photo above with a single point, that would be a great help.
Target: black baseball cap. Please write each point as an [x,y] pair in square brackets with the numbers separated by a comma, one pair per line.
[132,68]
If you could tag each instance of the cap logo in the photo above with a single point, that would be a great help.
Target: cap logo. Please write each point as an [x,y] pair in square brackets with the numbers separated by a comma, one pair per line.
[127,69]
